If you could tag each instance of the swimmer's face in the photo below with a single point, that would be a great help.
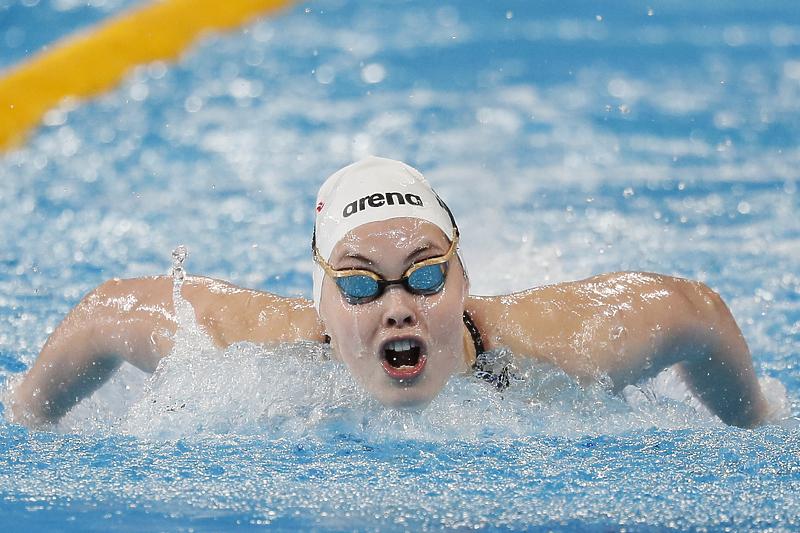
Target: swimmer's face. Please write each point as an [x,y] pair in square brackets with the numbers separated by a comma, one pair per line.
[402,347]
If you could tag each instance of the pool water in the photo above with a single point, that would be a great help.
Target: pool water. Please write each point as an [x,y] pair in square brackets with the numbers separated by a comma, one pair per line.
[569,139]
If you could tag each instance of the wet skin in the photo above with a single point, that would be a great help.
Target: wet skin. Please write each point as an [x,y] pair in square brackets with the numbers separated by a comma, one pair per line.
[402,347]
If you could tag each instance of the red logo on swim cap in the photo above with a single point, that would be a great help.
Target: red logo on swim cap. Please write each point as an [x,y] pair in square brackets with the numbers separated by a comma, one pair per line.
[319,206]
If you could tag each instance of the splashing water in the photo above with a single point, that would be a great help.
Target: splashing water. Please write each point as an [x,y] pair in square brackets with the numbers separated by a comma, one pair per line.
[179,255]
[183,309]
[296,390]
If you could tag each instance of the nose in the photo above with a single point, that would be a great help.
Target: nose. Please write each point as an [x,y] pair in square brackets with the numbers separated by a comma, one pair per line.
[399,307]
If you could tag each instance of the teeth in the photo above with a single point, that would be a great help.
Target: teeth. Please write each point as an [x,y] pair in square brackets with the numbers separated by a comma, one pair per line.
[401,345]
[402,353]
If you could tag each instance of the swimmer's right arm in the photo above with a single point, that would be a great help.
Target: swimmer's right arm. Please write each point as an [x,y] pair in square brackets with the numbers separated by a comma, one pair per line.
[133,320]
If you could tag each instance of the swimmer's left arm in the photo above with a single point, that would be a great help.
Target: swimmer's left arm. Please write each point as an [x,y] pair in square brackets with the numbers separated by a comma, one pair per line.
[630,326]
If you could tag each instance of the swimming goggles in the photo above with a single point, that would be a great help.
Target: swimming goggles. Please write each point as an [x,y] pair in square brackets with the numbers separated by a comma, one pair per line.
[362,286]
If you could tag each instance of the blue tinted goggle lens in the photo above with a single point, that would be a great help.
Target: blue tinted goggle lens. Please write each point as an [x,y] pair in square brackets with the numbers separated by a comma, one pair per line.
[358,288]
[428,279]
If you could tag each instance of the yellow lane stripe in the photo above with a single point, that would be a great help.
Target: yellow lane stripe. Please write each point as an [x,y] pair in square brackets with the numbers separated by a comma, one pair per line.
[88,63]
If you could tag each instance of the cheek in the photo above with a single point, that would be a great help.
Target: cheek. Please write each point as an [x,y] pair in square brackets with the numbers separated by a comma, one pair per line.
[445,330]
[445,319]
[346,325]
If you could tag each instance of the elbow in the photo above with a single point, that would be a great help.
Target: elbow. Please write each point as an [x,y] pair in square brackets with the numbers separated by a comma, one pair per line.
[701,305]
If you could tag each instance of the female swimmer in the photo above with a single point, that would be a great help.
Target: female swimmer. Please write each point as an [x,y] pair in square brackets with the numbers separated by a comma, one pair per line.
[391,295]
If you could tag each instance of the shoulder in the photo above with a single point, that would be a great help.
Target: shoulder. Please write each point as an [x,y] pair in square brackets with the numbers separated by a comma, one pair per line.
[227,312]
[231,314]
[556,318]
[600,290]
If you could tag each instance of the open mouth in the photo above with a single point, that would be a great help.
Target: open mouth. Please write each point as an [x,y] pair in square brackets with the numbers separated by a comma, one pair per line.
[403,358]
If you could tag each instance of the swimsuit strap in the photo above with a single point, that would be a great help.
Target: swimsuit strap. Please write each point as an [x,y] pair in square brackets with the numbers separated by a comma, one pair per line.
[494,367]
[474,333]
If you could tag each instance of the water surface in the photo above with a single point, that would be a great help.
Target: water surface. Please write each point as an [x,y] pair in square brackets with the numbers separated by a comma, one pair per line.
[569,138]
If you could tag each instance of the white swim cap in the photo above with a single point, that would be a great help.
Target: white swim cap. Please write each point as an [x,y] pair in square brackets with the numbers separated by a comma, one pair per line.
[371,190]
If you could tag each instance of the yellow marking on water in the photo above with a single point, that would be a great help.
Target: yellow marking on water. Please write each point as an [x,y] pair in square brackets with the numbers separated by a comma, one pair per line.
[90,62]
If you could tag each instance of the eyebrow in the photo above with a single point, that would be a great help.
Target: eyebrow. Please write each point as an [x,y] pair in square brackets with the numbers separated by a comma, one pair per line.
[357,257]
[415,256]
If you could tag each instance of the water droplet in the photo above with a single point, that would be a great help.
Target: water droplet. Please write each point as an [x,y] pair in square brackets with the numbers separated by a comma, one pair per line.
[373,73]
[179,255]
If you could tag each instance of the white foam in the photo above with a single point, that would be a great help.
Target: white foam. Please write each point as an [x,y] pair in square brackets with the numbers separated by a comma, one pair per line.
[294,390]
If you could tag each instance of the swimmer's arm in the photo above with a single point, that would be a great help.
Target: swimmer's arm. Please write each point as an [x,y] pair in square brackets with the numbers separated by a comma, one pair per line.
[231,314]
[122,320]
[133,320]
[630,326]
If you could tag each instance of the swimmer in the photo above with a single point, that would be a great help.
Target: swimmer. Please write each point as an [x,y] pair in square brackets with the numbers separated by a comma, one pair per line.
[391,296]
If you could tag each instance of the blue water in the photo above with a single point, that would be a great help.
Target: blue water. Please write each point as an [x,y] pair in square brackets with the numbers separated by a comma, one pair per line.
[570,138]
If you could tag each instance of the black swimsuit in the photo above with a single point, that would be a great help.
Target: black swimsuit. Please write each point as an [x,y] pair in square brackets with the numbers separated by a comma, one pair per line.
[494,367]
[474,333]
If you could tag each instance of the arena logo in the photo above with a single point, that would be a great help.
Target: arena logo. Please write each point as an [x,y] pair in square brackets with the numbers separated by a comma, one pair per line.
[380,199]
